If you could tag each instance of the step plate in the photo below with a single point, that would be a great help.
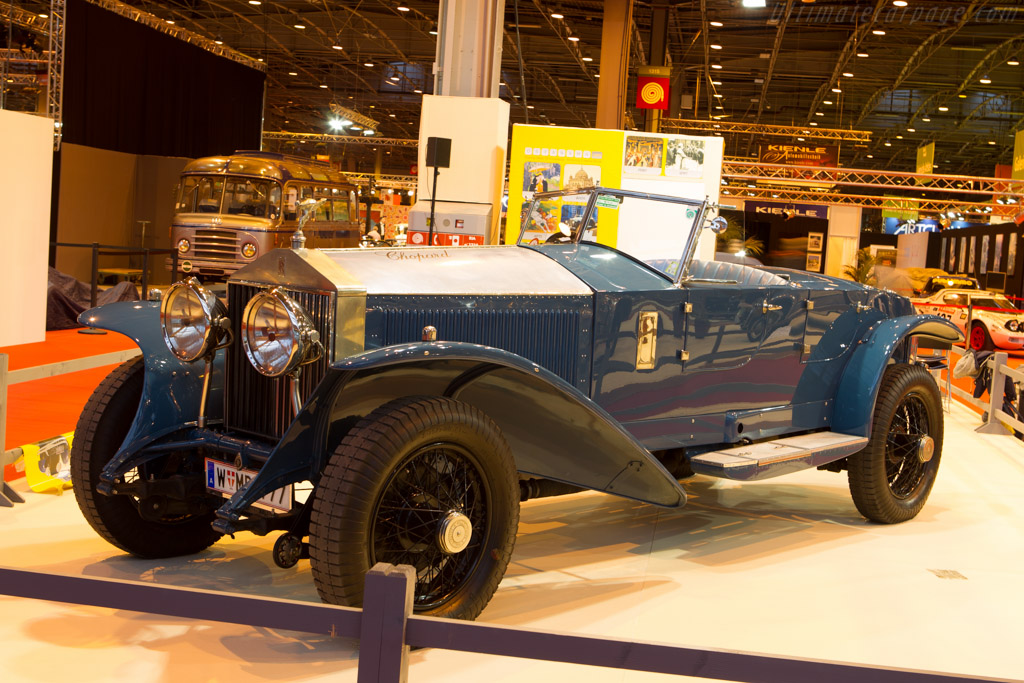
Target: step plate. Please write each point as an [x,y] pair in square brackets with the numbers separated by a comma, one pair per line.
[781,456]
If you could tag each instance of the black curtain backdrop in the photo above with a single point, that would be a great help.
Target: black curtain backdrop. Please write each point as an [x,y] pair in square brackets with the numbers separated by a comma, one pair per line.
[129,88]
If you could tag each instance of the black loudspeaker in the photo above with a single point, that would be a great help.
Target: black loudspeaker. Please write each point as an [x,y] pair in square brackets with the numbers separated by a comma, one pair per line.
[439,152]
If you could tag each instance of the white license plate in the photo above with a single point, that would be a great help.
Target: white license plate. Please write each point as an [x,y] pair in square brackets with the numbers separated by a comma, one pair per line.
[226,479]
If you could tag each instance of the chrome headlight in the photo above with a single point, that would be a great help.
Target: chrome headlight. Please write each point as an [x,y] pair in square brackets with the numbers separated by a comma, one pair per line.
[1012,325]
[191,318]
[277,334]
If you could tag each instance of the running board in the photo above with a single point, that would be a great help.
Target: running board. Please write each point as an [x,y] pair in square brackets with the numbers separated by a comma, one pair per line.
[782,456]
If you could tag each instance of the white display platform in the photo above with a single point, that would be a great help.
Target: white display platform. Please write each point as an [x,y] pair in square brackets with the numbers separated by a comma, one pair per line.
[784,566]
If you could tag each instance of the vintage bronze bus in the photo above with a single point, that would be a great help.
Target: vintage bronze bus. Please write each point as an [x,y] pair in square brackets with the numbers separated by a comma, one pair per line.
[230,210]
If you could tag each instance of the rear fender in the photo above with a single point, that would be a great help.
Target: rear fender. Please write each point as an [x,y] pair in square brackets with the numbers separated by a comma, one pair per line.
[858,388]
[555,431]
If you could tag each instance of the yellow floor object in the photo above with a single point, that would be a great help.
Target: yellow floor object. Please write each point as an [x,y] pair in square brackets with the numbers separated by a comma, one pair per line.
[48,464]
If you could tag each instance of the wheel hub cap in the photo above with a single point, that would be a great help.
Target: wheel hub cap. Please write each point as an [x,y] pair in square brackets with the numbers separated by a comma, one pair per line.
[925,448]
[454,532]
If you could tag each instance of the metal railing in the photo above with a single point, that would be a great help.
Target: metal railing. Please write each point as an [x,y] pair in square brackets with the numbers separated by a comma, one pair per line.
[386,629]
[8,377]
[114,250]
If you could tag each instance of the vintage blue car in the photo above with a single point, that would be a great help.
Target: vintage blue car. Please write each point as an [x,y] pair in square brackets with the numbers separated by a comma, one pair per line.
[396,405]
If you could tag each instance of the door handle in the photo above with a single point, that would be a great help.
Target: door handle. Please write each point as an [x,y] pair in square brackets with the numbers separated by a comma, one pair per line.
[765,307]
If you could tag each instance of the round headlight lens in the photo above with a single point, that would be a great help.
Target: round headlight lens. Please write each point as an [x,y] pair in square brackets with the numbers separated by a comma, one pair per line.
[1012,325]
[187,315]
[248,250]
[184,245]
[277,334]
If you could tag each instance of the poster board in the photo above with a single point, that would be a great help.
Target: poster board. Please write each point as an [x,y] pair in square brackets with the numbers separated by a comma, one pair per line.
[547,158]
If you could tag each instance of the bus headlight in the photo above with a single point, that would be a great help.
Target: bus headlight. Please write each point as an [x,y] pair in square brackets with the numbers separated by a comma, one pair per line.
[184,245]
[192,319]
[277,334]
[249,250]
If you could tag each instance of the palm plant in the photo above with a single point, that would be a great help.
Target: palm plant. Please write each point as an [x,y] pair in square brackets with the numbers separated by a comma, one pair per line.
[864,270]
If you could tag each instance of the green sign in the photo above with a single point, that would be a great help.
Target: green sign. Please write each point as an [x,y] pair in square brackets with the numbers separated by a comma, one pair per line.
[608,201]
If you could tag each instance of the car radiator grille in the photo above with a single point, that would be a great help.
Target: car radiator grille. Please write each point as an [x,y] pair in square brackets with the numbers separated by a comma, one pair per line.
[549,337]
[260,405]
[216,245]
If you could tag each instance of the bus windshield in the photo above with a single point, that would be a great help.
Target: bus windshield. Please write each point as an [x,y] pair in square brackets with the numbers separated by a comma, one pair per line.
[236,196]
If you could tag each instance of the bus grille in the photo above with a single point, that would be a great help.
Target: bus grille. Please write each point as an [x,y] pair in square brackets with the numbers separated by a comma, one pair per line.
[260,405]
[216,245]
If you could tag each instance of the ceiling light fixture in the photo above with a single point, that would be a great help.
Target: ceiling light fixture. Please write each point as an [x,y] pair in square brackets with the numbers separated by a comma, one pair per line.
[394,78]
[943,108]
[878,32]
[716,47]
[293,73]
[218,41]
[888,144]
[323,86]
[754,4]
[433,33]
[847,74]
[818,113]
[169,21]
[716,82]
[402,8]
[716,66]
[926,119]
[255,2]
[985,79]
[557,14]
[574,39]
[716,24]
[418,92]
[837,90]
[900,3]
[300,26]
[337,47]
[826,101]
[369,64]
[871,156]
[814,123]
[862,54]
[718,96]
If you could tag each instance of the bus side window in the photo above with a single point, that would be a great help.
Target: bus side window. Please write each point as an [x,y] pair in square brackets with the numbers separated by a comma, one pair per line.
[341,212]
[323,212]
[291,200]
[274,210]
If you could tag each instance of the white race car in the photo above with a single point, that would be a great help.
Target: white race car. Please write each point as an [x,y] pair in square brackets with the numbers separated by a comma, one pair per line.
[994,321]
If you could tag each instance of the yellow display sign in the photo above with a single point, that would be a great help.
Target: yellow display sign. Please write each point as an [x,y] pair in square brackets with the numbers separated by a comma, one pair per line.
[548,158]
[1018,156]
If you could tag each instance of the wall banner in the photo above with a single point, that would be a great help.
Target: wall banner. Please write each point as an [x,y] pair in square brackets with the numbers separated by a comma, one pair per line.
[925,160]
[1018,156]
[787,210]
[803,154]
[652,87]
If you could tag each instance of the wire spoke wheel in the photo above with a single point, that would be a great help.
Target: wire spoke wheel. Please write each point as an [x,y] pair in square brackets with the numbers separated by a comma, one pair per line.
[433,482]
[890,479]
[420,481]
[904,469]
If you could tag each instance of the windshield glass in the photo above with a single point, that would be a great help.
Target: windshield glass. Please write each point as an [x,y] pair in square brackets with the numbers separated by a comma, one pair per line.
[237,196]
[653,229]
[247,197]
[199,194]
[993,302]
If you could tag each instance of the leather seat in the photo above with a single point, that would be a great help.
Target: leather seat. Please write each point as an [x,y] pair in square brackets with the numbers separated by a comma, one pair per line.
[744,275]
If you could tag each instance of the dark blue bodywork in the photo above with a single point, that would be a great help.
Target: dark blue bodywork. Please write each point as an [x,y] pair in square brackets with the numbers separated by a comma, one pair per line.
[733,362]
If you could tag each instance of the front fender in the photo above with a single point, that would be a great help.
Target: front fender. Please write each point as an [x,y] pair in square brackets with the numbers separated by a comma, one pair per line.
[555,431]
[172,389]
[858,388]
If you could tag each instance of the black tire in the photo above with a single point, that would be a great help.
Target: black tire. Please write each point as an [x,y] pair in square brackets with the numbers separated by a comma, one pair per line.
[888,479]
[386,490]
[104,423]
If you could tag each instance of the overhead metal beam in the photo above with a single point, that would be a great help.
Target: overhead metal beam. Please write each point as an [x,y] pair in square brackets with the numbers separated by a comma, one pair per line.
[340,139]
[766,129]
[849,48]
[748,171]
[155,22]
[779,32]
[921,55]
[810,196]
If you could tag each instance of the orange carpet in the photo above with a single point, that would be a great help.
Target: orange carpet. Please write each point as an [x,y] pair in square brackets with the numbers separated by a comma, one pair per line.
[44,408]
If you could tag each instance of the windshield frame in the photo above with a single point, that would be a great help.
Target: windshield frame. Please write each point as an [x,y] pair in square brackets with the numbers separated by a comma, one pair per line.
[576,237]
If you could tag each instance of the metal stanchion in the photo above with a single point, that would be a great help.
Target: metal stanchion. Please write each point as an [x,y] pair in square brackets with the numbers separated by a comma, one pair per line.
[94,275]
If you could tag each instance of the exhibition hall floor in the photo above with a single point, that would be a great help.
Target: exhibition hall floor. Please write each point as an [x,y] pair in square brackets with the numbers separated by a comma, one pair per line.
[784,567]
